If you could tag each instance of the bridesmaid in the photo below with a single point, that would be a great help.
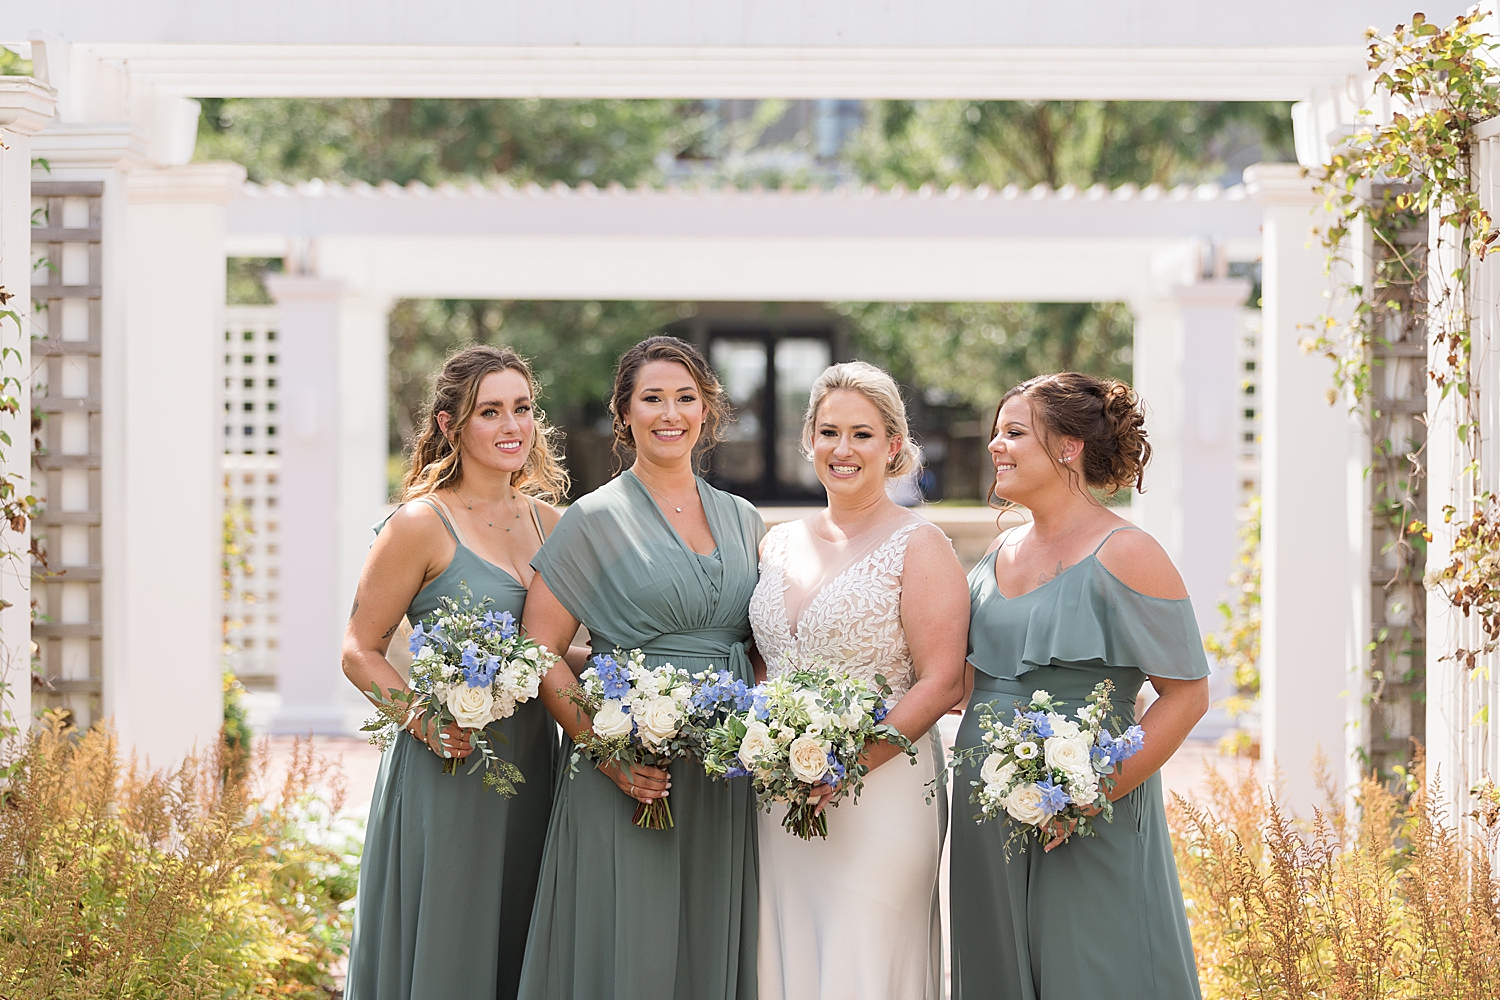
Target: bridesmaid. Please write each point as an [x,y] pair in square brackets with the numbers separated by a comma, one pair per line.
[450,867]
[1076,595]
[658,560]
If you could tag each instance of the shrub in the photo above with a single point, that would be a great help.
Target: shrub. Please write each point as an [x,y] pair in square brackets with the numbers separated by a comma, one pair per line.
[198,882]
[1392,904]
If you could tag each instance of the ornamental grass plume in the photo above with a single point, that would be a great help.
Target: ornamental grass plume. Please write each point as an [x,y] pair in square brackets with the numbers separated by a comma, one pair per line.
[195,882]
[1397,902]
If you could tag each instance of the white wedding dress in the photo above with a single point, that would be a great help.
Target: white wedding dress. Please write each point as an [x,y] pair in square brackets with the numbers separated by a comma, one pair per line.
[856,916]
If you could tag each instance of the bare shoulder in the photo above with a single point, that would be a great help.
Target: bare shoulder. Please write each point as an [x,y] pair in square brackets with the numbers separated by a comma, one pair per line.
[929,548]
[1139,562]
[547,514]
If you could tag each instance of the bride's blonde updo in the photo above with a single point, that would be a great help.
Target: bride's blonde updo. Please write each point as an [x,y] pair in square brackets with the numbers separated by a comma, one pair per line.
[877,386]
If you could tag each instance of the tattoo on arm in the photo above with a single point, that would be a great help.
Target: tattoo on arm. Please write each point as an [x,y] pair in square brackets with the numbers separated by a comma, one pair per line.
[391,631]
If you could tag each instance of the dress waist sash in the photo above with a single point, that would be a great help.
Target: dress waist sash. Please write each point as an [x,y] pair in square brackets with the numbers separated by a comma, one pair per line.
[706,643]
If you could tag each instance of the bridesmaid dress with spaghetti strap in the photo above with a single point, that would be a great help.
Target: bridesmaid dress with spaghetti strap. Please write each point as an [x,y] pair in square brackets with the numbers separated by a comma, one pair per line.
[1097,916]
[449,871]
[624,913]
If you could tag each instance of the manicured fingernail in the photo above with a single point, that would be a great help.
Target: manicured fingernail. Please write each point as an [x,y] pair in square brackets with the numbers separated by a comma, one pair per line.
[447,754]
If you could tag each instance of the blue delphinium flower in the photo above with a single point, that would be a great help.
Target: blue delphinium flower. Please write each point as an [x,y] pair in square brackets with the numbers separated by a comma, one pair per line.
[1127,744]
[1040,724]
[614,680]
[1054,797]
[759,704]
[836,771]
[880,711]
[721,692]
[737,772]
[1101,758]
[505,622]
[478,669]
[421,636]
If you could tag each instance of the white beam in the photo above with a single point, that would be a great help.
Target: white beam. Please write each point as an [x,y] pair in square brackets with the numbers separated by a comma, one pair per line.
[1142,49]
[957,245]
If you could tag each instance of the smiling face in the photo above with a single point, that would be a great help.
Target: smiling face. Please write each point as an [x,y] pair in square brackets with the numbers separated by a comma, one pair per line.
[851,448]
[499,432]
[666,413]
[1025,461]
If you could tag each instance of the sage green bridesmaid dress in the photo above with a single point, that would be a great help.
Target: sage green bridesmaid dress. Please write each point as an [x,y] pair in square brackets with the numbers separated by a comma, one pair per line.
[624,913]
[449,870]
[1099,916]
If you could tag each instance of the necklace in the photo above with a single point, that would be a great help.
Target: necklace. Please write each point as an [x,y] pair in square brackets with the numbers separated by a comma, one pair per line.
[658,495]
[481,516]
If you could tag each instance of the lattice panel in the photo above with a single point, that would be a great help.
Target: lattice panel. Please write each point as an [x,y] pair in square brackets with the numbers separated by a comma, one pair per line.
[251,492]
[1248,418]
[66,241]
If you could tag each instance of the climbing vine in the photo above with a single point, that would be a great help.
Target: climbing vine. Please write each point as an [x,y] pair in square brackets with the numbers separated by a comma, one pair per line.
[1400,187]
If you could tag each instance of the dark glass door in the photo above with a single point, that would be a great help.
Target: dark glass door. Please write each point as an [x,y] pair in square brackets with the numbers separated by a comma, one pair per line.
[767,375]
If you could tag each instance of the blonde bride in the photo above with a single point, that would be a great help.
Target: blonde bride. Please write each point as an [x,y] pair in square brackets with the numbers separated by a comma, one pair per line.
[874,589]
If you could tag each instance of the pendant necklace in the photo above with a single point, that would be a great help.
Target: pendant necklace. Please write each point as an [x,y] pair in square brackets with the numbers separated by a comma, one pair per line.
[658,495]
[481,516]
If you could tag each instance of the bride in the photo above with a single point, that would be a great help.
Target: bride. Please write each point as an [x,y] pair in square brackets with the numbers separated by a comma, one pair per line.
[871,587]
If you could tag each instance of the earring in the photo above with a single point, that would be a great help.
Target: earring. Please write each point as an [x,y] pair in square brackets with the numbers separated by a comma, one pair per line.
[1067,458]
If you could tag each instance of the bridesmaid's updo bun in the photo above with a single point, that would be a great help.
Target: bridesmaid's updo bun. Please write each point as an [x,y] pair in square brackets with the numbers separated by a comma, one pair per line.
[1105,414]
[664,348]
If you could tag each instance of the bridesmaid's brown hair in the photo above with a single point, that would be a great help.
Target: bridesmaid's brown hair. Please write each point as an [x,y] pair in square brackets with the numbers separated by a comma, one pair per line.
[1104,413]
[664,348]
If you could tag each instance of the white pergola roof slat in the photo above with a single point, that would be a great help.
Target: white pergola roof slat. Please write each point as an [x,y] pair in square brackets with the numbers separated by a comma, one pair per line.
[728,244]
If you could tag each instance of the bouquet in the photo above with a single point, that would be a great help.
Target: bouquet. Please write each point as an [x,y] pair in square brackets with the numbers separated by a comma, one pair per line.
[803,728]
[471,667]
[651,716]
[1052,775]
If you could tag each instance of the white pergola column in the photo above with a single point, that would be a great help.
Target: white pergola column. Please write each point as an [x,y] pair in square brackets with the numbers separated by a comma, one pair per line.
[168,507]
[1187,375]
[332,372]
[1308,530]
[25,106]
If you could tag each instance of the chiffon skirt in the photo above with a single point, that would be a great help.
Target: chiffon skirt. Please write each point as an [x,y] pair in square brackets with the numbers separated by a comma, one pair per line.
[856,916]
[624,913]
[449,871]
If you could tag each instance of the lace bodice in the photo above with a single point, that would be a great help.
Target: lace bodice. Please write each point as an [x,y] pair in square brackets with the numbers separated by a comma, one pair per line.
[852,622]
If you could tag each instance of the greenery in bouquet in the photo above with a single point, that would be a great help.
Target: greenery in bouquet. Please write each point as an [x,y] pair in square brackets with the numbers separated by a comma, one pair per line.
[803,728]
[650,716]
[1050,774]
[471,667]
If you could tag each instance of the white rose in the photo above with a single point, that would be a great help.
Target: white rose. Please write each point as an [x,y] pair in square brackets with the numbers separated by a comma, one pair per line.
[658,719]
[612,720]
[1039,697]
[1025,804]
[809,759]
[426,653]
[995,771]
[1068,753]
[809,702]
[1083,787]
[757,743]
[472,708]
[1062,726]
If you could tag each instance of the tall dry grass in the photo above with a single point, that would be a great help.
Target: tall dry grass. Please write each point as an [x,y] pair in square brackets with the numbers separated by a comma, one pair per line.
[198,882]
[1393,903]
